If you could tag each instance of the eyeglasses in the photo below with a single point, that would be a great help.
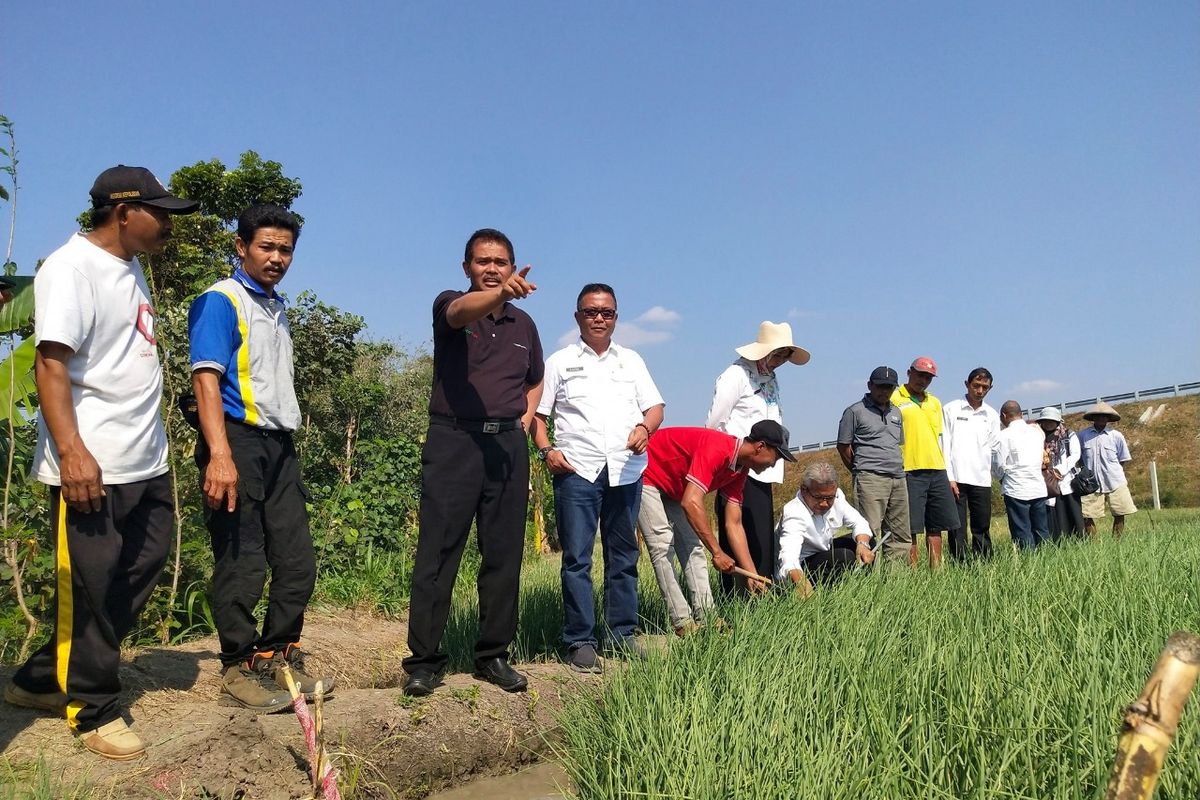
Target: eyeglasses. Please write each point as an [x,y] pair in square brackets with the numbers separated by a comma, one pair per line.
[602,313]
[820,498]
[502,263]
[783,352]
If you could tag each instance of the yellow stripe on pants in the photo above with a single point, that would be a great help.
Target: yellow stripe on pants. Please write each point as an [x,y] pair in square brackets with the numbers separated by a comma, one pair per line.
[65,621]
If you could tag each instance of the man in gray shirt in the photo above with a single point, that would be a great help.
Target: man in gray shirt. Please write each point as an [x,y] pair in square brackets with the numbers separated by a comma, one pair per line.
[869,439]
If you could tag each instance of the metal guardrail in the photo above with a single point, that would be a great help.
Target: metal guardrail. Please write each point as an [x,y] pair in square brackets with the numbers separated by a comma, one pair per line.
[1135,396]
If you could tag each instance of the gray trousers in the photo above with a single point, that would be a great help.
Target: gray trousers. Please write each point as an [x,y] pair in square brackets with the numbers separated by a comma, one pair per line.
[664,526]
[883,500]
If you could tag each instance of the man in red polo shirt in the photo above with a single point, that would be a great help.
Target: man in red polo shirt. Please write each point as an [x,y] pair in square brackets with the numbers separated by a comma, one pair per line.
[686,464]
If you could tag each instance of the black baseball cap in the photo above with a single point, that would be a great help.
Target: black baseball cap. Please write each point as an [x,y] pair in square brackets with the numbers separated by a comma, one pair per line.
[122,184]
[772,434]
[884,376]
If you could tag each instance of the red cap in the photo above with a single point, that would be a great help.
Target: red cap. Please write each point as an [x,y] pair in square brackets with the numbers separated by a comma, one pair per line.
[924,364]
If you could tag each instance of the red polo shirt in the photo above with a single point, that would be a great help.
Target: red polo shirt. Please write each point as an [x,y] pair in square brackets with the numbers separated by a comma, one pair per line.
[702,456]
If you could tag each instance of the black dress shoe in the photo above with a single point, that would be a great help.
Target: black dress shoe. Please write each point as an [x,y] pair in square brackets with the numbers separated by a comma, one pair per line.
[497,671]
[421,683]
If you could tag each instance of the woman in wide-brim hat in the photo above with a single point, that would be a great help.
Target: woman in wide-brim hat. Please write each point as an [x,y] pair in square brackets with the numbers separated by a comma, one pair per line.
[745,393]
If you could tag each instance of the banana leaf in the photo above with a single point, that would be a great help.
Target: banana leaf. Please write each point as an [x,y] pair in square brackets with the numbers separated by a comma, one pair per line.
[17,382]
[18,312]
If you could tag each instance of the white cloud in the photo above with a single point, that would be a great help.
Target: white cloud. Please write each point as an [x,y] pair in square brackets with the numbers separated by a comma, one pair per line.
[569,337]
[659,316]
[1038,385]
[630,334]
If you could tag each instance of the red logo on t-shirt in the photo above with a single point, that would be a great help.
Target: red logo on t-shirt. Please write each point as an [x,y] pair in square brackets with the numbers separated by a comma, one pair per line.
[145,322]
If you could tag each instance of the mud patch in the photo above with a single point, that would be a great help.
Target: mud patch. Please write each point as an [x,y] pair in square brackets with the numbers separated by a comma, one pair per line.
[385,744]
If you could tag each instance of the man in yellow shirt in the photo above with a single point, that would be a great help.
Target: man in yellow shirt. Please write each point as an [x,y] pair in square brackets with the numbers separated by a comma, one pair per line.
[931,506]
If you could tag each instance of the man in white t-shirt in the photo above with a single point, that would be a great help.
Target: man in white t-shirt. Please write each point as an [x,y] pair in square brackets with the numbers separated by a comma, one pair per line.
[605,407]
[102,449]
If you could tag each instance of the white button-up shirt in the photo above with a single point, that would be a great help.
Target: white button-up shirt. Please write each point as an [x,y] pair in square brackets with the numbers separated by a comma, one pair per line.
[1104,452]
[596,401]
[802,533]
[1018,461]
[742,397]
[969,436]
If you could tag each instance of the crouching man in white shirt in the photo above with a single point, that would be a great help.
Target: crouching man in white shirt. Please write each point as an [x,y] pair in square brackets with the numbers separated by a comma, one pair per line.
[809,549]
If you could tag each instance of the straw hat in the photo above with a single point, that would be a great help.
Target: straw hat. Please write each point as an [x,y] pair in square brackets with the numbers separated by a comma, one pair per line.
[773,336]
[1101,409]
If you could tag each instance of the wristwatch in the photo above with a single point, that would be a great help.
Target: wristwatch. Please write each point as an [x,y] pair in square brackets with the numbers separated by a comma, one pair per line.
[542,451]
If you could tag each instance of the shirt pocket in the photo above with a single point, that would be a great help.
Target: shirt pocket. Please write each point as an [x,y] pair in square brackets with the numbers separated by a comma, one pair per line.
[624,392]
[576,386]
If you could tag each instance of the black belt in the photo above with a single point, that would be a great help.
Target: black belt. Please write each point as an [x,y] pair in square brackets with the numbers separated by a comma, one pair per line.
[270,434]
[476,425]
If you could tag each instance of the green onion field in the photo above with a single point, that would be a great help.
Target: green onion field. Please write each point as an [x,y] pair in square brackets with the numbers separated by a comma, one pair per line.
[998,680]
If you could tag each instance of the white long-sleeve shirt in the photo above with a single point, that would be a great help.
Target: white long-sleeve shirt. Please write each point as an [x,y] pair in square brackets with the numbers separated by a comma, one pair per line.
[969,436]
[742,397]
[803,533]
[1018,461]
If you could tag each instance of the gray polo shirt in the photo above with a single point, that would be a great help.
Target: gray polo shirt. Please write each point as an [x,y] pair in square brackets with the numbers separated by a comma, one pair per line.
[876,435]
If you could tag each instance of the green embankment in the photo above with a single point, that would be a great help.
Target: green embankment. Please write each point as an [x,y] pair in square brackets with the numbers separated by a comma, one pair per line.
[998,680]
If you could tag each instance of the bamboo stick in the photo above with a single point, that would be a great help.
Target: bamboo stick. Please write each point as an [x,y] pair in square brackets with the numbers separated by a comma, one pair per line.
[1152,719]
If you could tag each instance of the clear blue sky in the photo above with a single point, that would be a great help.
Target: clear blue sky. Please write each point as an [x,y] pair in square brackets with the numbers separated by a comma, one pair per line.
[1015,185]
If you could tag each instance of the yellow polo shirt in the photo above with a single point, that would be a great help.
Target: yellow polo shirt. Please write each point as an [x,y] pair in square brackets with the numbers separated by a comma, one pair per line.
[922,420]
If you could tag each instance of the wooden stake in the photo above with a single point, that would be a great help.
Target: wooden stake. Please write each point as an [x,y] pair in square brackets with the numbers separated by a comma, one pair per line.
[1152,720]
[745,573]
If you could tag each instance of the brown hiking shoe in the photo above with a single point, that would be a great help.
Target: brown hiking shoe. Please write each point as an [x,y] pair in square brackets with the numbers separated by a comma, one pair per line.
[54,702]
[252,685]
[293,657]
[685,629]
[114,740]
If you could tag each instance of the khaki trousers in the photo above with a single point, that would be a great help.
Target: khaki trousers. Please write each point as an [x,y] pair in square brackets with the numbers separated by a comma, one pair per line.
[883,500]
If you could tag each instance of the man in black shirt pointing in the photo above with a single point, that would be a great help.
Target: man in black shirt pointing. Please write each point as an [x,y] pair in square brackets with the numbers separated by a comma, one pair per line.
[487,381]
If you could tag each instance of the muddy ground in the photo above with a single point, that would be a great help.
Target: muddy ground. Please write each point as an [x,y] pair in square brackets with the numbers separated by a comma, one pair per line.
[386,745]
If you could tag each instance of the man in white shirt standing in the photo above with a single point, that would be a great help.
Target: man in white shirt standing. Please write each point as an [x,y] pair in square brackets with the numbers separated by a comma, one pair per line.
[809,549]
[605,408]
[969,434]
[1105,452]
[102,449]
[1018,462]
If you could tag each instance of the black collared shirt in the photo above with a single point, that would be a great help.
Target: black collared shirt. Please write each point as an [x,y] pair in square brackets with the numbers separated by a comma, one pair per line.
[482,371]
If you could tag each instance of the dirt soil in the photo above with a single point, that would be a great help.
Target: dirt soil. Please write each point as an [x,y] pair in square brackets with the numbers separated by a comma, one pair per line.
[385,744]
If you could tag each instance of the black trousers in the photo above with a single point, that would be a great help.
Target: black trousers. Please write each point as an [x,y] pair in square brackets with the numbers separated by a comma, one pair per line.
[1066,518]
[758,519]
[107,563]
[468,476]
[975,504]
[824,569]
[269,527]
